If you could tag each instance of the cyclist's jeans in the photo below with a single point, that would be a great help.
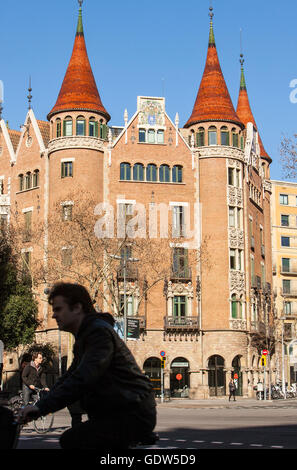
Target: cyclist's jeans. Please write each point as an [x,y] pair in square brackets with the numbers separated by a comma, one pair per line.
[112,431]
[27,393]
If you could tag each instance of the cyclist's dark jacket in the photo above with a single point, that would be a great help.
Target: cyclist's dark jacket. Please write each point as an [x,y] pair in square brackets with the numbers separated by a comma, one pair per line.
[104,375]
[33,376]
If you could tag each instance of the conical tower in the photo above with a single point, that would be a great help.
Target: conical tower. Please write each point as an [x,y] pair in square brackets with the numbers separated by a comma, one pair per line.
[213,102]
[244,110]
[79,91]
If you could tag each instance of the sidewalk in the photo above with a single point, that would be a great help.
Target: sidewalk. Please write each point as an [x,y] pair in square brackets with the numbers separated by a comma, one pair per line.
[241,402]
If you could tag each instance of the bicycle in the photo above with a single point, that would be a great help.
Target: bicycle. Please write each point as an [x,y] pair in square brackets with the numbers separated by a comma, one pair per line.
[43,424]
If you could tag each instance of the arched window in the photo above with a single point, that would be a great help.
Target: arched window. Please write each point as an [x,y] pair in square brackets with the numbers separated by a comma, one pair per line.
[216,376]
[67,126]
[151,136]
[21,182]
[28,180]
[212,135]
[58,128]
[125,171]
[80,126]
[225,136]
[141,135]
[160,136]
[138,172]
[177,174]
[233,306]
[164,174]
[36,178]
[235,140]
[200,137]
[103,131]
[151,172]
[93,127]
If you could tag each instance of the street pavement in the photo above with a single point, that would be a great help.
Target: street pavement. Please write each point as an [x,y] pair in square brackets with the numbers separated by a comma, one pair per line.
[200,424]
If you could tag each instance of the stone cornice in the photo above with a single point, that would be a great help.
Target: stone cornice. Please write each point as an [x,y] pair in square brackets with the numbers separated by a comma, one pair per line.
[219,151]
[62,143]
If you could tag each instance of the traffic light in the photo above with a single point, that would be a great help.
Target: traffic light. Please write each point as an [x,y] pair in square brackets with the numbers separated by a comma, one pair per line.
[163,359]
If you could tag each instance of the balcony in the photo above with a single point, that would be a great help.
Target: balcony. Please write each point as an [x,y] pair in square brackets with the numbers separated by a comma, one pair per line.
[258,327]
[289,292]
[182,274]
[131,272]
[179,324]
[256,282]
[288,270]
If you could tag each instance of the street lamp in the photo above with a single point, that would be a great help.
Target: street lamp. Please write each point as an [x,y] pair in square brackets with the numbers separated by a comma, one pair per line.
[124,260]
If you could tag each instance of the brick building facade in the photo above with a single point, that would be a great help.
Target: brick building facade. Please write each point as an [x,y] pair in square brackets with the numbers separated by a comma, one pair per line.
[211,313]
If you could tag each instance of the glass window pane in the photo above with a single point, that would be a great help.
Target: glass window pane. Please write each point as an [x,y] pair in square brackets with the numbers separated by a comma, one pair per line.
[80,127]
[224,138]
[68,128]
[285,241]
[138,173]
[285,220]
[283,199]
[141,135]
[212,137]
[151,136]
[160,137]
[125,171]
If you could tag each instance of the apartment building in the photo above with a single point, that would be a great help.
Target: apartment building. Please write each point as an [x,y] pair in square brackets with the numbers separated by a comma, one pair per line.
[284,259]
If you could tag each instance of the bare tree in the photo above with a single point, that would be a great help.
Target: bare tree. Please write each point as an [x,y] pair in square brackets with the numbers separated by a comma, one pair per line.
[288,153]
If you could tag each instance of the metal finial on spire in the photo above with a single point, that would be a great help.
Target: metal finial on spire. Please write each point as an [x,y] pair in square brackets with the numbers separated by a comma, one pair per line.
[211,14]
[1,109]
[80,3]
[29,96]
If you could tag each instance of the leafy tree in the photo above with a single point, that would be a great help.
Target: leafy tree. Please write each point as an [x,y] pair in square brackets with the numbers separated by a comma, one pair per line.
[18,308]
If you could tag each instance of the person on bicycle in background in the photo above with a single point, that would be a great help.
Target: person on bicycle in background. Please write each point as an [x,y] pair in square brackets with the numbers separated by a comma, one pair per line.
[33,376]
[104,376]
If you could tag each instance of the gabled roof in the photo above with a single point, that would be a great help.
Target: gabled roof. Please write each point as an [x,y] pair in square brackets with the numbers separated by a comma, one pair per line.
[245,113]
[79,90]
[15,138]
[44,128]
[213,102]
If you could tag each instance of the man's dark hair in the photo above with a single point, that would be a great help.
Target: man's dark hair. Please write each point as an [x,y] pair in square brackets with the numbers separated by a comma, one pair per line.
[73,294]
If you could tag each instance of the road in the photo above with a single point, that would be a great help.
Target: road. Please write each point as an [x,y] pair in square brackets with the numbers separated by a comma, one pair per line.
[186,424]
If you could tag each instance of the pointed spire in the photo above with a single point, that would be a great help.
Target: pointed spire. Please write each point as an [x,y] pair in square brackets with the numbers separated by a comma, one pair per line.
[79,91]
[80,29]
[213,102]
[244,109]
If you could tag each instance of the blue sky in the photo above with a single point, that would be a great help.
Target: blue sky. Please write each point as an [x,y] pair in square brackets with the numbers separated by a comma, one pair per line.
[139,48]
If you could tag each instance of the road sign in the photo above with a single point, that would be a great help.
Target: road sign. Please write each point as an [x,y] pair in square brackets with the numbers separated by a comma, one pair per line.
[163,359]
[263,360]
[179,376]
[264,352]
[162,353]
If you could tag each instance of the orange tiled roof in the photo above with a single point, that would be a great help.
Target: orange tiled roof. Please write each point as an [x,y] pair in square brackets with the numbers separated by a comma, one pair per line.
[14,137]
[213,102]
[44,127]
[245,113]
[79,90]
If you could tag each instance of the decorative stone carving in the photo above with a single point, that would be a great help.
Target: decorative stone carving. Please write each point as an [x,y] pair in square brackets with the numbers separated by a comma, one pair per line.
[238,324]
[235,196]
[180,289]
[267,186]
[217,151]
[237,282]
[63,143]
[236,238]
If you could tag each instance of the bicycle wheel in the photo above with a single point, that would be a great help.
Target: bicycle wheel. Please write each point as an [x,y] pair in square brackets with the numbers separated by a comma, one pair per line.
[43,424]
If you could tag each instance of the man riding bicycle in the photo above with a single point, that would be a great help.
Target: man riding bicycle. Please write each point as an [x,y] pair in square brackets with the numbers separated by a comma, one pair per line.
[33,376]
[104,376]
